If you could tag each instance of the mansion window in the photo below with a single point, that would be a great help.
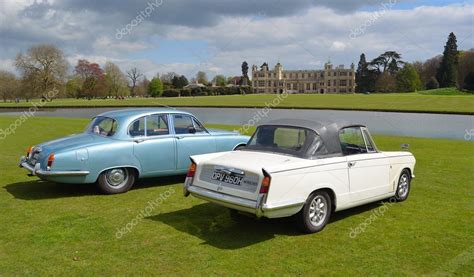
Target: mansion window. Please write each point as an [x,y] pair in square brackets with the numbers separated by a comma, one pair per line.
[261,83]
[334,82]
[308,86]
[343,83]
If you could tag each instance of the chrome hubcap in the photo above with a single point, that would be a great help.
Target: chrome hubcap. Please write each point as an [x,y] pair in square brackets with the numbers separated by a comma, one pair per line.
[318,210]
[403,186]
[117,177]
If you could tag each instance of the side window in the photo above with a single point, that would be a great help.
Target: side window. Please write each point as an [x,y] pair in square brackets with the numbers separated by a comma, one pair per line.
[137,128]
[352,141]
[182,123]
[198,126]
[368,139]
[156,125]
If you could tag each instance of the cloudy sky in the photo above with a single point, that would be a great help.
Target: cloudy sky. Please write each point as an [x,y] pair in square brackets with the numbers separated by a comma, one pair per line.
[185,36]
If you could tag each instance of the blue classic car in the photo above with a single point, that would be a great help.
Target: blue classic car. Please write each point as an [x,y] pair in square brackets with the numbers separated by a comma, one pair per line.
[121,146]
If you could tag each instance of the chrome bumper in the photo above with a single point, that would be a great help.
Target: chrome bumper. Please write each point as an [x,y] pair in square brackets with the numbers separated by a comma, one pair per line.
[258,207]
[36,170]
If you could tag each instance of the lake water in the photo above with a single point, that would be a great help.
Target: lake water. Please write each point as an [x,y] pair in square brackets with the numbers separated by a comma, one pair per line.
[389,123]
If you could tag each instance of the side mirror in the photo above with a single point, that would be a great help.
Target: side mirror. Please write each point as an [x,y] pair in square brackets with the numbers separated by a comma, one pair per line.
[405,146]
[191,130]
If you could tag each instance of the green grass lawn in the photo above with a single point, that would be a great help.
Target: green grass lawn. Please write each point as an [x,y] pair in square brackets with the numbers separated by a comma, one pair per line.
[63,229]
[438,101]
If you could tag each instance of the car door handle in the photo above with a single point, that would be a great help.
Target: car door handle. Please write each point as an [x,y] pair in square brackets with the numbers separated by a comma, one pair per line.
[351,164]
[179,137]
[139,140]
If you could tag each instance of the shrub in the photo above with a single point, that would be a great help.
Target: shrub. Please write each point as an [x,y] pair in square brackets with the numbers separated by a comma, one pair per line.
[185,92]
[469,81]
[170,93]
[432,83]
[198,92]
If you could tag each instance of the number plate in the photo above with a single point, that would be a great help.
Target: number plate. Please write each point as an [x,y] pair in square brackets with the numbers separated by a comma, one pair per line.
[227,178]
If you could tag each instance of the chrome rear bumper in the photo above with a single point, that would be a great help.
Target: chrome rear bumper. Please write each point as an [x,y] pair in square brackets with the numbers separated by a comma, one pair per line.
[36,170]
[258,207]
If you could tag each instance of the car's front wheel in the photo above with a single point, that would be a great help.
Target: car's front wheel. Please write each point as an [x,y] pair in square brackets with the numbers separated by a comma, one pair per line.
[116,180]
[403,188]
[316,212]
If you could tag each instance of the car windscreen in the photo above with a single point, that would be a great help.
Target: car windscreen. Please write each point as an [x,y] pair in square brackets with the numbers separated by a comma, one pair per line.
[102,126]
[287,140]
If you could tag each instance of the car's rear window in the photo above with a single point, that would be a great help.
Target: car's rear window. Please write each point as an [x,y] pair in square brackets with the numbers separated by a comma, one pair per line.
[282,139]
[103,126]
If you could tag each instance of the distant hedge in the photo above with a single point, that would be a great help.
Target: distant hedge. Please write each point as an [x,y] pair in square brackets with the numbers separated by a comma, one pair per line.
[204,91]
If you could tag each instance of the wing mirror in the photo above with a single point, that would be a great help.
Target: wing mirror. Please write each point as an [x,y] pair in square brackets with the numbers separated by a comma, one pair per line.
[191,130]
[405,146]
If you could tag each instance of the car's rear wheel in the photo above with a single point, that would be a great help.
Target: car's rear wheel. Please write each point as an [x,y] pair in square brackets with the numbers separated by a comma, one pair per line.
[116,180]
[403,187]
[316,212]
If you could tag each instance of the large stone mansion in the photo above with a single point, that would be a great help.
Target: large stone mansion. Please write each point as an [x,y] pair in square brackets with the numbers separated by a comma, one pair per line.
[329,80]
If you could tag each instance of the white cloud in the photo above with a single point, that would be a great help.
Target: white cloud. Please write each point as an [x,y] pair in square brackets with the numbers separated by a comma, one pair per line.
[298,40]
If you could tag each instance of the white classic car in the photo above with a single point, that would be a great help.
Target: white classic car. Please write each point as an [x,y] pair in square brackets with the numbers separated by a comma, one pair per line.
[301,168]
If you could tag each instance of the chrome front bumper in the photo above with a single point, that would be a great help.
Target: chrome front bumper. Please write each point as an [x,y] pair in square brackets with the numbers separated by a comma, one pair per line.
[36,170]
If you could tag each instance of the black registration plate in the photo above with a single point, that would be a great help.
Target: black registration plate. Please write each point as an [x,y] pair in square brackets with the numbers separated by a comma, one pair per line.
[227,178]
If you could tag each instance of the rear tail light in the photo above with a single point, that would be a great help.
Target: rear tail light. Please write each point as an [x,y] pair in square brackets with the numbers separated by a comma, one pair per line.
[192,169]
[50,160]
[265,182]
[28,152]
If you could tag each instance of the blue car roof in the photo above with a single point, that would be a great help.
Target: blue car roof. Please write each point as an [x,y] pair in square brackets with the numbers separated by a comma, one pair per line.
[138,112]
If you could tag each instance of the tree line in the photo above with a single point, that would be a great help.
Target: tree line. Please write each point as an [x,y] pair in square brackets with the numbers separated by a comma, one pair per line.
[389,73]
[44,68]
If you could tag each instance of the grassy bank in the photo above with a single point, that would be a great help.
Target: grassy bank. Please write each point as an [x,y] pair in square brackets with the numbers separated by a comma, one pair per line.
[61,229]
[436,101]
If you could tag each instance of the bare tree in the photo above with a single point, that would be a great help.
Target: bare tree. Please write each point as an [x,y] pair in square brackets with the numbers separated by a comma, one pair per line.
[134,75]
[43,67]
[8,85]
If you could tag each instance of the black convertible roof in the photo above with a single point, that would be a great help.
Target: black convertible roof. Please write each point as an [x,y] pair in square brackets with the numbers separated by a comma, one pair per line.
[328,130]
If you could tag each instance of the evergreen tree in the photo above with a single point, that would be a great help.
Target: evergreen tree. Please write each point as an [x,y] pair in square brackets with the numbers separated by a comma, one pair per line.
[245,74]
[362,75]
[447,71]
